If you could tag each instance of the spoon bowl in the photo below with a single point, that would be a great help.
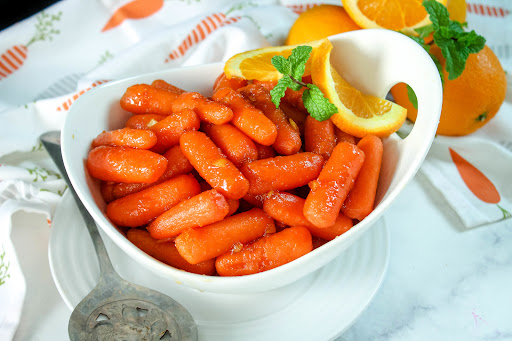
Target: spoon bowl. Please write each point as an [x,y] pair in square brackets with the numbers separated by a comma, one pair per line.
[115,306]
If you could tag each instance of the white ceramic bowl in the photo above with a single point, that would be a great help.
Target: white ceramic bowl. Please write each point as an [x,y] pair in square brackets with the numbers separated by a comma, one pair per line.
[372,60]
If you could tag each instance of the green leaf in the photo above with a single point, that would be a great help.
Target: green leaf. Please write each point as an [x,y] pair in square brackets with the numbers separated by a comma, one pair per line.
[412,97]
[439,67]
[281,64]
[298,59]
[424,31]
[317,105]
[279,89]
[438,13]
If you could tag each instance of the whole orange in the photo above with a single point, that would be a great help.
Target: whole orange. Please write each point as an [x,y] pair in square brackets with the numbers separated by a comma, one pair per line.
[320,22]
[469,101]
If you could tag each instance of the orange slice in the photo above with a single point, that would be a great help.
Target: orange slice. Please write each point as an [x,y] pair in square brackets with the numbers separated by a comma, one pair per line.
[358,114]
[397,15]
[256,64]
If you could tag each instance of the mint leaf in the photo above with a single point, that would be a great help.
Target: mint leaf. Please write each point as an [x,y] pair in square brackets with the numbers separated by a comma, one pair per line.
[439,67]
[424,31]
[279,89]
[298,59]
[412,97]
[454,42]
[317,105]
[281,64]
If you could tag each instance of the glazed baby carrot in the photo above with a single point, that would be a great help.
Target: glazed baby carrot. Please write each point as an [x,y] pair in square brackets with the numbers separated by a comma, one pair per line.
[336,179]
[200,210]
[237,146]
[143,121]
[212,165]
[296,116]
[265,152]
[161,84]
[233,206]
[288,209]
[319,137]
[146,99]
[288,139]
[140,208]
[223,82]
[177,164]
[282,172]
[342,136]
[167,253]
[203,243]
[169,130]
[360,199]
[122,164]
[295,98]
[269,85]
[107,190]
[247,118]
[126,137]
[266,253]
[207,110]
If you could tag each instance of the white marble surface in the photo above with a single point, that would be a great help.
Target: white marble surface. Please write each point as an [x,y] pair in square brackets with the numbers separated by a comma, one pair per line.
[443,283]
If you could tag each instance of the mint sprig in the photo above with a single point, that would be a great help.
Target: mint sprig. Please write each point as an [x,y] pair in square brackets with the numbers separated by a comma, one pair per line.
[293,69]
[456,44]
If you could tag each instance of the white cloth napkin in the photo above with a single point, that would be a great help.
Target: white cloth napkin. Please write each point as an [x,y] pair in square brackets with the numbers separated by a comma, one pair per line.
[51,58]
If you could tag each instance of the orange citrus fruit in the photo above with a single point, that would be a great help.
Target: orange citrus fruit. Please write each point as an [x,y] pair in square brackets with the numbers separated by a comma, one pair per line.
[358,114]
[320,22]
[397,15]
[256,64]
[457,10]
[470,100]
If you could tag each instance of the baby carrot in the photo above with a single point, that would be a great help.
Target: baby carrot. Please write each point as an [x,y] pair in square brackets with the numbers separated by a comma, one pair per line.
[122,164]
[161,84]
[143,121]
[288,139]
[288,209]
[360,199]
[282,172]
[296,117]
[237,146]
[207,110]
[203,243]
[166,252]
[107,190]
[295,98]
[212,165]
[177,164]
[269,85]
[169,130]
[264,152]
[146,99]
[200,210]
[126,137]
[266,253]
[336,179]
[233,206]
[246,117]
[223,82]
[319,137]
[342,136]
[140,208]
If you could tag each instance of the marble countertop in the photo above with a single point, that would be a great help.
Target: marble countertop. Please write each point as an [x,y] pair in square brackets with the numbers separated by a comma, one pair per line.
[444,282]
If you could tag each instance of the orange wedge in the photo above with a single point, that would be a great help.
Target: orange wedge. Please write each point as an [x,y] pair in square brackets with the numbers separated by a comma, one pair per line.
[256,64]
[397,15]
[358,114]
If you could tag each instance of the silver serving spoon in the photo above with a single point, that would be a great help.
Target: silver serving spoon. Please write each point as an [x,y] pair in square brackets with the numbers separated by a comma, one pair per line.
[117,309]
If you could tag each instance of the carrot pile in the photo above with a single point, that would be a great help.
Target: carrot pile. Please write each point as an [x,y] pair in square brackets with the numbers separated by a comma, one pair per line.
[230,185]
